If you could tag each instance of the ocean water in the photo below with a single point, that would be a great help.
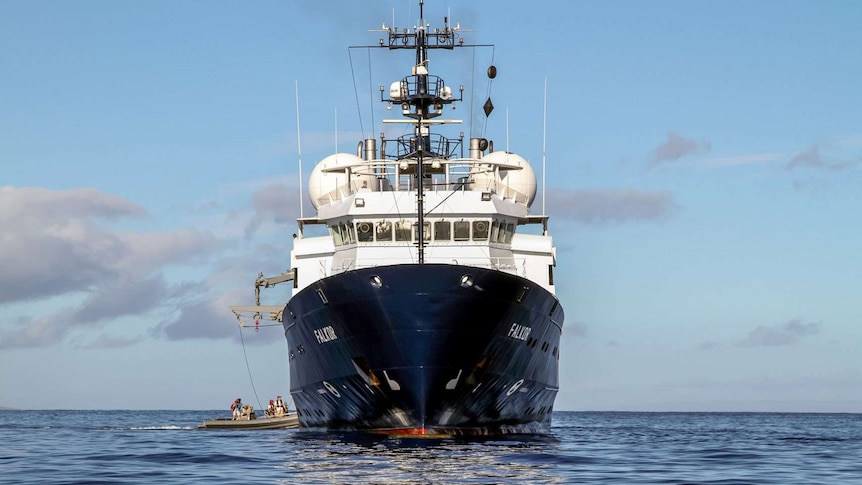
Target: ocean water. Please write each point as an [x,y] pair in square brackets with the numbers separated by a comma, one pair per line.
[65,447]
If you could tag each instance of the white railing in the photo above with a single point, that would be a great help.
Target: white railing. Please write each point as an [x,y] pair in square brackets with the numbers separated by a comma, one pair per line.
[455,175]
[516,266]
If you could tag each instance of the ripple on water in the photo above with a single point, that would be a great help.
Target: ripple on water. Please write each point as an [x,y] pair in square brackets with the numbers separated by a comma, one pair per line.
[703,448]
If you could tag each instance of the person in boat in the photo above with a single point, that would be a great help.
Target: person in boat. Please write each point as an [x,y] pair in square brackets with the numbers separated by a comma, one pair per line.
[280,407]
[270,410]
[247,412]
[236,409]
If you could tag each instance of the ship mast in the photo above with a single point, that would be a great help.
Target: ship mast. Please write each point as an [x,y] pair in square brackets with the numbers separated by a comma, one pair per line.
[422,97]
[421,110]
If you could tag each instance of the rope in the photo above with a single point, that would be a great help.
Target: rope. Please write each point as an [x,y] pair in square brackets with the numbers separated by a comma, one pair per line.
[248,368]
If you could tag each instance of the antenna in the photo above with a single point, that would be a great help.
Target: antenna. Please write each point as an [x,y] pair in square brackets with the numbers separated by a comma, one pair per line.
[336,129]
[544,135]
[299,150]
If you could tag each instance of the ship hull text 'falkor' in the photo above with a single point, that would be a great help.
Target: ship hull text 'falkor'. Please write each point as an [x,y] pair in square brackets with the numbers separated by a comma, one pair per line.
[428,307]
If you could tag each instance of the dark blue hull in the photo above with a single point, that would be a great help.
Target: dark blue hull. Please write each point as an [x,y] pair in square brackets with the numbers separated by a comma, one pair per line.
[424,349]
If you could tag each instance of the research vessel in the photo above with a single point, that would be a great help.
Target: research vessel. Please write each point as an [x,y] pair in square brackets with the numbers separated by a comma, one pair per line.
[428,307]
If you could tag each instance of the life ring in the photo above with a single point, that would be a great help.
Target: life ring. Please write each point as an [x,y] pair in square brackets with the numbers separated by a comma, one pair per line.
[481,226]
[515,387]
[364,227]
[331,389]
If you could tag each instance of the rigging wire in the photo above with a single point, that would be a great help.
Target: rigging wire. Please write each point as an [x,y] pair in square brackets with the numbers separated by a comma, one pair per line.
[248,368]
[355,92]
[473,93]
[544,144]
[488,95]
[299,151]
[370,90]
[453,192]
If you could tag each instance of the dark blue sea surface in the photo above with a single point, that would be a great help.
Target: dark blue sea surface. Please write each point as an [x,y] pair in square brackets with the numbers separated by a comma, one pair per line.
[54,447]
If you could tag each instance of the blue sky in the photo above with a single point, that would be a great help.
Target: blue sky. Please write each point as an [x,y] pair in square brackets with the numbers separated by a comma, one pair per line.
[702,163]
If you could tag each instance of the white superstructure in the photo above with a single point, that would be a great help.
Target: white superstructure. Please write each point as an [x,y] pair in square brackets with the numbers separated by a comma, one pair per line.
[473,209]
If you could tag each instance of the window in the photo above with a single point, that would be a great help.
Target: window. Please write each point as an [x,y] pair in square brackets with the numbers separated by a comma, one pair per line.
[495,231]
[336,235]
[364,232]
[462,231]
[427,232]
[506,235]
[403,230]
[347,233]
[442,231]
[480,230]
[384,231]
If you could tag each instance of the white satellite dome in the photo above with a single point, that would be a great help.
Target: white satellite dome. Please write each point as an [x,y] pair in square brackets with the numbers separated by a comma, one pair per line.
[323,181]
[515,182]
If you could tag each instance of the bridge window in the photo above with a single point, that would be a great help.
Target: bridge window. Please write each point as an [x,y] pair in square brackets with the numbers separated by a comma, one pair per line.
[506,235]
[442,231]
[495,231]
[348,234]
[336,235]
[403,230]
[426,235]
[480,230]
[462,230]
[384,231]
[364,232]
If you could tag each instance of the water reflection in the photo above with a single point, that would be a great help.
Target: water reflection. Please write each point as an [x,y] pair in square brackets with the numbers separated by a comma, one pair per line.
[363,458]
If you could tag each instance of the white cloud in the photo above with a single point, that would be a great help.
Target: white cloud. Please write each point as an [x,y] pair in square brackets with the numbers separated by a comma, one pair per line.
[786,334]
[576,329]
[676,147]
[611,205]
[51,243]
[813,158]
[204,318]
[275,202]
[56,244]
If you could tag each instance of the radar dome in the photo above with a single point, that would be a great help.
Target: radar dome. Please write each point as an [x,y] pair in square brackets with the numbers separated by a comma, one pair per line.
[323,182]
[519,184]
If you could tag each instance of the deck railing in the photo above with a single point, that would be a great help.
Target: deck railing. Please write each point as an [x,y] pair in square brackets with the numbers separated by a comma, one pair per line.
[515,266]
